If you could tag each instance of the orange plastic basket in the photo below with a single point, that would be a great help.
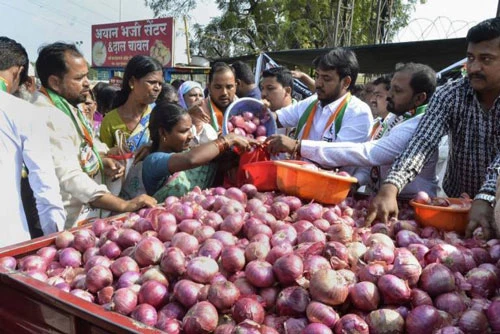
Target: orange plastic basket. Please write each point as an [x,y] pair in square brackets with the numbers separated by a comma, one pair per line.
[443,218]
[261,174]
[308,184]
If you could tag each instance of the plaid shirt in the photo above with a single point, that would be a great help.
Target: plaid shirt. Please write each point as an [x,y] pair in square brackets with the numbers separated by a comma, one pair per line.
[474,134]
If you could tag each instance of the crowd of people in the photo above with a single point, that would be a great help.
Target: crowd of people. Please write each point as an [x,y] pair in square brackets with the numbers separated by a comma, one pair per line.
[64,144]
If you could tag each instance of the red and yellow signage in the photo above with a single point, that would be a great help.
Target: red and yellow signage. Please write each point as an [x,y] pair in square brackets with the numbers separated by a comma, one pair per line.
[114,44]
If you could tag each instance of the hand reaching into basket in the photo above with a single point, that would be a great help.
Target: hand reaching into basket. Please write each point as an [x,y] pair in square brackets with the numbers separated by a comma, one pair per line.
[282,144]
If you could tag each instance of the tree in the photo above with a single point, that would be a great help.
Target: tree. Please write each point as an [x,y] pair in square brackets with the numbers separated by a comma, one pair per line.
[252,26]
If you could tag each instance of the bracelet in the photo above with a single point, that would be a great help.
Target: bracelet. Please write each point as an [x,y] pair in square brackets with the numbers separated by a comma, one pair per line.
[222,144]
[296,150]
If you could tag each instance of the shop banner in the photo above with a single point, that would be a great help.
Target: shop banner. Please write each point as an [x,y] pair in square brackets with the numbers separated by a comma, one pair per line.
[114,44]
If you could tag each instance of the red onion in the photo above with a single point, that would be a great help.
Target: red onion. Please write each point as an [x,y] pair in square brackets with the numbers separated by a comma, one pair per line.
[321,313]
[105,295]
[295,325]
[371,272]
[201,318]
[364,296]
[211,248]
[409,225]
[92,251]
[280,210]
[182,211]
[288,268]
[203,233]
[98,277]
[285,235]
[64,239]
[83,295]
[292,301]
[172,310]
[302,225]
[379,238]
[493,314]
[351,324]
[379,253]
[294,203]
[186,292]
[223,295]
[448,255]
[317,328]
[340,232]
[423,319]
[278,251]
[8,262]
[393,289]
[122,265]
[449,330]
[110,249]
[495,252]
[37,274]
[309,212]
[248,308]
[128,279]
[128,238]
[202,269]
[167,231]
[420,297]
[336,253]
[142,225]
[406,266]
[230,208]
[483,282]
[70,257]
[48,253]
[236,194]
[451,302]
[313,263]
[84,239]
[473,322]
[189,225]
[329,287]
[169,325]
[312,234]
[153,273]
[437,279]
[321,224]
[225,237]
[148,251]
[385,321]
[173,262]
[232,259]
[245,287]
[249,189]
[225,329]
[255,227]
[405,238]
[260,273]
[145,313]
[153,293]
[269,296]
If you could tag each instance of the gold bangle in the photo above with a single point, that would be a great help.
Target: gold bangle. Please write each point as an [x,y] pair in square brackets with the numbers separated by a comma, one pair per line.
[296,150]
[220,145]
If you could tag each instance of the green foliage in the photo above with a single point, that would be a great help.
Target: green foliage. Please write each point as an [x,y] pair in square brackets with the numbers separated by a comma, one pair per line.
[252,26]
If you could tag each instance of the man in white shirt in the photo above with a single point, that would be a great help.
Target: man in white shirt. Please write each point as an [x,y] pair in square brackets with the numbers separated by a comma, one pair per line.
[23,139]
[411,87]
[330,115]
[63,73]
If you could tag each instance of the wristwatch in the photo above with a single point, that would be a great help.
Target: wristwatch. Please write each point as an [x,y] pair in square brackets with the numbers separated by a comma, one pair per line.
[488,198]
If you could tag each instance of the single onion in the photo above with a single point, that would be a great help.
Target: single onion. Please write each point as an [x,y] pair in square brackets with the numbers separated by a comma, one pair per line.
[379,253]
[483,282]
[84,239]
[203,233]
[393,289]
[232,259]
[371,272]
[364,296]
[385,321]
[248,308]
[223,295]
[189,225]
[269,296]
[202,269]
[406,266]
[351,324]
[172,310]
[260,273]
[211,248]
[316,328]
[493,314]
[437,279]
[340,232]
[201,318]
[128,279]
[122,265]
[48,253]
[309,212]
[295,325]
[288,269]
[128,238]
[105,295]
[188,244]
[169,325]
[98,277]
[420,297]
[336,253]
[423,319]
[64,239]
[148,251]
[329,287]
[83,295]
[292,301]
[186,292]
[8,262]
[70,257]
[153,273]
[173,262]
[145,313]
[321,313]
[473,322]
[153,293]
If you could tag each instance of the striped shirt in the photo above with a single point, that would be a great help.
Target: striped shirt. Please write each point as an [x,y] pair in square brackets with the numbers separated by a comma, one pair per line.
[474,135]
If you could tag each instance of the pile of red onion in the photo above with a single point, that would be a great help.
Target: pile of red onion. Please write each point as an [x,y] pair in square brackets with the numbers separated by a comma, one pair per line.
[248,125]
[239,261]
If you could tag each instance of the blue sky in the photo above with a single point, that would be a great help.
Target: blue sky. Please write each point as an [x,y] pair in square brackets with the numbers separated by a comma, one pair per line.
[37,22]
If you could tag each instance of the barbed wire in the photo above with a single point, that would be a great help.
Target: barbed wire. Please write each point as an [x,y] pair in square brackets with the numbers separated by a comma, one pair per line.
[442,27]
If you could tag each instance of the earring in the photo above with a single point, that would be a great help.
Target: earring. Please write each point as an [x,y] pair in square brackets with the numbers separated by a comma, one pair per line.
[164,139]
[131,87]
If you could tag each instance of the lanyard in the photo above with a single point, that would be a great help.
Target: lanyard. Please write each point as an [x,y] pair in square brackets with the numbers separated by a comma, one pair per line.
[213,117]
[3,85]
[340,109]
[387,126]
[85,130]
